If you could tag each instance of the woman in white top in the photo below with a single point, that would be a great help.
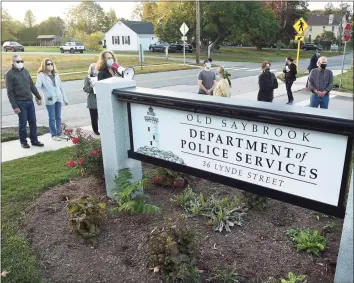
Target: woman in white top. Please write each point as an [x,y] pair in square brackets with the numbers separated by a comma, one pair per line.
[223,87]
[49,82]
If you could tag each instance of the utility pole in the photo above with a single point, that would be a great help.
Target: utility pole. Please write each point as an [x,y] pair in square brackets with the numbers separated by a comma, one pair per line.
[197,32]
[341,25]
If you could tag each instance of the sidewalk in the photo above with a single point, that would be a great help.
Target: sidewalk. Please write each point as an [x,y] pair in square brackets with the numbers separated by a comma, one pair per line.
[12,150]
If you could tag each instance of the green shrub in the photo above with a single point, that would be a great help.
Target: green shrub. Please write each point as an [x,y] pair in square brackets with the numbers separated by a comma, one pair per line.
[308,240]
[86,215]
[227,275]
[255,201]
[223,214]
[173,251]
[130,195]
[292,278]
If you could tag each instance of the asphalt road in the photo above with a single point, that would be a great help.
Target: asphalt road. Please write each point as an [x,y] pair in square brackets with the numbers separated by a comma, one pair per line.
[76,113]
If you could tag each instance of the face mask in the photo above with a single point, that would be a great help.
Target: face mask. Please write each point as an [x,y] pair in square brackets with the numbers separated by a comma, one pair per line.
[267,69]
[50,68]
[110,62]
[323,66]
[208,65]
[19,65]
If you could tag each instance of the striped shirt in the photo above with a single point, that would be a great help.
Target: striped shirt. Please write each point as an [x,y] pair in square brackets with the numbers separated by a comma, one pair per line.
[322,80]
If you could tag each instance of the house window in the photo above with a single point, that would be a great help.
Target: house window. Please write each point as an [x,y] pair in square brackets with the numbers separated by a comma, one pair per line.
[153,137]
[151,143]
[332,28]
[149,129]
[310,28]
[310,38]
[115,40]
[324,28]
[126,40]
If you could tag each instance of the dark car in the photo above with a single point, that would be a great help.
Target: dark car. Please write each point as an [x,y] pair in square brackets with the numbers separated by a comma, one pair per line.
[310,46]
[160,47]
[188,47]
[12,46]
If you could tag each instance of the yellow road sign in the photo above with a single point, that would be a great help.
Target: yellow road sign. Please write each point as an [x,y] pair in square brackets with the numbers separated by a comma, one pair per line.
[300,37]
[300,26]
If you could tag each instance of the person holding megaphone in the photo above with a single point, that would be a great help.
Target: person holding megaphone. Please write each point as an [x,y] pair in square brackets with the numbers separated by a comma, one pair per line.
[108,67]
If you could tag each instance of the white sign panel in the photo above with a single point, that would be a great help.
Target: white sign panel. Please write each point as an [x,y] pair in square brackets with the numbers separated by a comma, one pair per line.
[294,161]
[184,29]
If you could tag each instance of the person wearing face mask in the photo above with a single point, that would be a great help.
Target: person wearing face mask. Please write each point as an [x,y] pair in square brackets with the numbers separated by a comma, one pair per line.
[223,87]
[206,79]
[290,72]
[20,90]
[320,84]
[49,82]
[267,83]
[91,96]
[104,66]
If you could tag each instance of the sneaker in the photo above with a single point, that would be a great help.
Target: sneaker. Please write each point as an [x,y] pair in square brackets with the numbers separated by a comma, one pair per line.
[25,145]
[56,138]
[63,137]
[291,102]
[38,144]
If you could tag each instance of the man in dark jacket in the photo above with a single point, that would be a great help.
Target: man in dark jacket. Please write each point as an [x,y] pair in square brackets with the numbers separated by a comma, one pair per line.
[313,63]
[267,83]
[20,90]
[290,72]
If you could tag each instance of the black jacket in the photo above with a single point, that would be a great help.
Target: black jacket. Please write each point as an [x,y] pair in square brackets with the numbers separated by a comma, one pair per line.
[267,83]
[104,74]
[291,75]
[20,86]
[313,62]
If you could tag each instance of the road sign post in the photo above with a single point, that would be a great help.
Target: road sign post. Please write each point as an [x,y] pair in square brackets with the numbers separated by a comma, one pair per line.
[184,29]
[300,26]
[347,35]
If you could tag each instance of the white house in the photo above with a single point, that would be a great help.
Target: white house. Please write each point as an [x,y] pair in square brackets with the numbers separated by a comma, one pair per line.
[320,23]
[128,35]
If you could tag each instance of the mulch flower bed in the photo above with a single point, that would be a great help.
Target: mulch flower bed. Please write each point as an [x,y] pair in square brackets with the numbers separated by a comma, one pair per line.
[259,250]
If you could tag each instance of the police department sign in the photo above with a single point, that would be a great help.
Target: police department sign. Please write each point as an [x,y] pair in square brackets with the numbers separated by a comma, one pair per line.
[294,161]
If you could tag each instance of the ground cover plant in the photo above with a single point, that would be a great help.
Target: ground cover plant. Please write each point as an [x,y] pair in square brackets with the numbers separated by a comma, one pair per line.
[347,81]
[292,278]
[308,240]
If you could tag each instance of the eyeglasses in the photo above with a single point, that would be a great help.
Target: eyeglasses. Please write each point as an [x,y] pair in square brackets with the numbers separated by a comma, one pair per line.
[49,64]
[19,61]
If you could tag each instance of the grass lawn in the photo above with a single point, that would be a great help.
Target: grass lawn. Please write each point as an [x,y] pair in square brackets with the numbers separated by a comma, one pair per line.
[347,81]
[11,133]
[22,181]
[248,55]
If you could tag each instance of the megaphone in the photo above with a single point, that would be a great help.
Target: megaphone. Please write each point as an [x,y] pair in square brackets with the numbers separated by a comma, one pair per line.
[126,73]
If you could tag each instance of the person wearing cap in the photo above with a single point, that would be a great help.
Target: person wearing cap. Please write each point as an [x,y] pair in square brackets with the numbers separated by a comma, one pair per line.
[206,79]
[267,83]
[223,87]
[320,84]
[290,72]
[20,90]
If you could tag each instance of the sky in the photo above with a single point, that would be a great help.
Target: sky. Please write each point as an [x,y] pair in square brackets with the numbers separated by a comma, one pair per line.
[44,10]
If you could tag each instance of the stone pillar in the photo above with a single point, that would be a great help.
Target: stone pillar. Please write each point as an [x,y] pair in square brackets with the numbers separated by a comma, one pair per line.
[114,129]
[345,267]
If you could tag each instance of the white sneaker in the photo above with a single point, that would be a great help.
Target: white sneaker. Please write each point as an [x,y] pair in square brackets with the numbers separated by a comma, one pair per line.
[56,138]
[64,137]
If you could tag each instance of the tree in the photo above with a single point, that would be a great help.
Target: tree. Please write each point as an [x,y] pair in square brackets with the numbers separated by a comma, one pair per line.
[88,17]
[264,28]
[29,19]
[9,27]
[325,39]
[52,26]
[111,19]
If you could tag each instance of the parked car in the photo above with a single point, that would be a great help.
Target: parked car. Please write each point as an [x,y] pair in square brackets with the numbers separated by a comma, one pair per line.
[13,46]
[310,46]
[72,47]
[160,46]
[188,47]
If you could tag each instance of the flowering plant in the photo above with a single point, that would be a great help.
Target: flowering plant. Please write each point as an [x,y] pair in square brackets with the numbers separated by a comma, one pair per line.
[86,153]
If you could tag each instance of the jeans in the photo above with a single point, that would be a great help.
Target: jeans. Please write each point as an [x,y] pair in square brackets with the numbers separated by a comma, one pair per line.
[289,84]
[54,113]
[94,119]
[316,101]
[28,113]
